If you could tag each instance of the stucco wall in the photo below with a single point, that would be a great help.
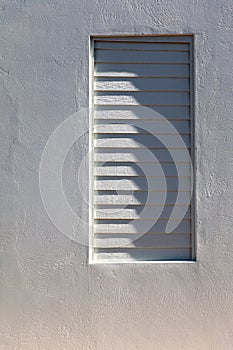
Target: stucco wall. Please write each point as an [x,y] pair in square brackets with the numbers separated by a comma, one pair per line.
[51,299]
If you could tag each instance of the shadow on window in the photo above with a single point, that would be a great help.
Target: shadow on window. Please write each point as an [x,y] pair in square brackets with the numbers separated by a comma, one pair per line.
[170,104]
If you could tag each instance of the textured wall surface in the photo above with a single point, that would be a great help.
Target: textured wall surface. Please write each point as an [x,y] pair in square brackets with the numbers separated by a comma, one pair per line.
[51,299]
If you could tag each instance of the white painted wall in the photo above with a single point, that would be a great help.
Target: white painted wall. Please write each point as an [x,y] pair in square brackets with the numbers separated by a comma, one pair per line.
[51,299]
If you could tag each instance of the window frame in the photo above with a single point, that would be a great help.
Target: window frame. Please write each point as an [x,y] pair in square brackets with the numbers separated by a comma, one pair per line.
[92,38]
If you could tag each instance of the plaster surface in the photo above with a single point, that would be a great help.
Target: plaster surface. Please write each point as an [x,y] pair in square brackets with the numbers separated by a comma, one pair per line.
[51,299]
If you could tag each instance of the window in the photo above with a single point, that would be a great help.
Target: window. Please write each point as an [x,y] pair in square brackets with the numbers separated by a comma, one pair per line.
[142,143]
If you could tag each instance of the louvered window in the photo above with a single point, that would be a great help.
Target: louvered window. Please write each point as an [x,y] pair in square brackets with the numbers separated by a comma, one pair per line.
[142,137]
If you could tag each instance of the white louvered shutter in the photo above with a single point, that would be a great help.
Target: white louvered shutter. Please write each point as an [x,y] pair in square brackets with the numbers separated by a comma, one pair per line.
[142,99]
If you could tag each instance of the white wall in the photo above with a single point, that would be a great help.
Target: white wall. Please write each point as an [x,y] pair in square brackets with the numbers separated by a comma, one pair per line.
[51,299]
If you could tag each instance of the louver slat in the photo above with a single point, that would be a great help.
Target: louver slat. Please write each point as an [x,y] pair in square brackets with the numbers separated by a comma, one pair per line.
[132,212]
[142,140]
[140,198]
[112,183]
[140,155]
[133,169]
[169,39]
[145,241]
[142,84]
[142,98]
[139,112]
[135,254]
[153,57]
[148,46]
[125,226]
[127,127]
[141,70]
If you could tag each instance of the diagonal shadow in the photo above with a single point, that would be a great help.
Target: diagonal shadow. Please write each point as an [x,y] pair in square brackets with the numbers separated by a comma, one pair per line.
[148,141]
